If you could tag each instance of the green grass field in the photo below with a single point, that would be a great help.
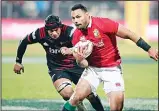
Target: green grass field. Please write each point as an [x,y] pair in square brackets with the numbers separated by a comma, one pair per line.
[36,83]
[34,86]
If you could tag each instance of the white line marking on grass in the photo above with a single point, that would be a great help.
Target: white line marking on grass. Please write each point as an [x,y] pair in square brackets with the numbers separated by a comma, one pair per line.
[41,60]
[19,108]
[53,104]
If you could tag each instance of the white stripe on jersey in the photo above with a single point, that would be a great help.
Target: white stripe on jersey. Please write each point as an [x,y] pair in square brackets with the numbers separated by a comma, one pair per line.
[72,31]
[33,35]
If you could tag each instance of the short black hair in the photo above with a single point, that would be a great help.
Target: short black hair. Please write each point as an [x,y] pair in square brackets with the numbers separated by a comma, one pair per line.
[79,6]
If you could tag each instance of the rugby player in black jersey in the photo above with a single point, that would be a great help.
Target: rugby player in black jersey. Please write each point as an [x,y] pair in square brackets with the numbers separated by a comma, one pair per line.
[63,69]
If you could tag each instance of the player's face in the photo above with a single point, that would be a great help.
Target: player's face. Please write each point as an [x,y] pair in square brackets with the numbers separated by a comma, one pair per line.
[80,18]
[54,33]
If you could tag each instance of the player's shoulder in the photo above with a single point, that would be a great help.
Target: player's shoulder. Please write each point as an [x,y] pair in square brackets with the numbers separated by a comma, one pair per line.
[41,32]
[100,20]
[67,30]
[66,27]
[103,23]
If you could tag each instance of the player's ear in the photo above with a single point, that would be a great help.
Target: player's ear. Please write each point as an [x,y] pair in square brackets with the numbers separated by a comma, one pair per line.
[87,13]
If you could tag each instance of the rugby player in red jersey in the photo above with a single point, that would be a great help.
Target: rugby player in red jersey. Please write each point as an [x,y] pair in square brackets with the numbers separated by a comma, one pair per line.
[105,61]
[63,70]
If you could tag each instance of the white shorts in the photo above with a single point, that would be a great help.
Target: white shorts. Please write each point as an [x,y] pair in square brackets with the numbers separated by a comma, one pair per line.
[111,77]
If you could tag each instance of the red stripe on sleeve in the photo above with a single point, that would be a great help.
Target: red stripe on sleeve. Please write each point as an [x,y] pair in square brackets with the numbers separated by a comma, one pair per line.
[42,32]
[64,28]
[29,38]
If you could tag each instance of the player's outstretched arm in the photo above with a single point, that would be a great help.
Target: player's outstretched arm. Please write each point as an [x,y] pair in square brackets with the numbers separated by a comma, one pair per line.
[125,33]
[18,67]
[31,38]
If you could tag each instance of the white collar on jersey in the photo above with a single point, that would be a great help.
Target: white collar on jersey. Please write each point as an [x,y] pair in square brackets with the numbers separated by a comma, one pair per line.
[90,22]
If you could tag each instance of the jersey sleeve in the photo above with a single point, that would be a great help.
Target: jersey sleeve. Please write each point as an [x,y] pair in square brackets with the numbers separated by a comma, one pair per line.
[36,35]
[68,31]
[31,38]
[109,26]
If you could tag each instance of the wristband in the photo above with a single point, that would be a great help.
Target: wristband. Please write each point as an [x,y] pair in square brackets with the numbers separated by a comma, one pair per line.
[142,44]
[18,60]
[19,64]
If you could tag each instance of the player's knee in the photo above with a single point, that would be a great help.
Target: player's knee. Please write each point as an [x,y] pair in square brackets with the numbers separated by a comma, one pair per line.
[78,97]
[66,97]
[80,93]
[66,94]
[65,90]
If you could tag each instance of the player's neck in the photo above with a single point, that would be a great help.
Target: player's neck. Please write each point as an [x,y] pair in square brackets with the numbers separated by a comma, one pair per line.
[88,22]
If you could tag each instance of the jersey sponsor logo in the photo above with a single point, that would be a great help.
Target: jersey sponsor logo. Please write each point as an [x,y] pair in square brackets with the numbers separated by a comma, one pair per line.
[45,44]
[99,44]
[54,51]
[96,33]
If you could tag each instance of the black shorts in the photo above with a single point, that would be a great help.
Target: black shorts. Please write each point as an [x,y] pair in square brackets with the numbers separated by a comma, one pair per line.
[72,74]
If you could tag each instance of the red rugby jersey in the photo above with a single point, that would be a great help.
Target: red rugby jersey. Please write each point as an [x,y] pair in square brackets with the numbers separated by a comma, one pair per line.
[102,32]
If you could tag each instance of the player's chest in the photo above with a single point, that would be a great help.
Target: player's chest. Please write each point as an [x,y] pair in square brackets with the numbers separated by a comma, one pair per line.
[52,43]
[52,46]
[95,35]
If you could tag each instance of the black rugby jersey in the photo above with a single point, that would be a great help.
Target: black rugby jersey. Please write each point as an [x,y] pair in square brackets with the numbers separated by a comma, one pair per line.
[55,60]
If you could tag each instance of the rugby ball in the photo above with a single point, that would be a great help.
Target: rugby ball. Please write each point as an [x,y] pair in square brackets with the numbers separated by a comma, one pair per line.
[87,46]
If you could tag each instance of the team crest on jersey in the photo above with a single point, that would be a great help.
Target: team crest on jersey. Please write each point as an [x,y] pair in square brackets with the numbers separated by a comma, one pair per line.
[45,44]
[96,33]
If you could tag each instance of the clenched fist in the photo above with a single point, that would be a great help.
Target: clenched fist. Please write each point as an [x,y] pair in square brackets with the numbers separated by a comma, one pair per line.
[66,51]
[18,68]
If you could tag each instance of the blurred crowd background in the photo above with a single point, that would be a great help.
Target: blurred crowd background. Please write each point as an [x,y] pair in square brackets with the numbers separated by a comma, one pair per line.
[40,9]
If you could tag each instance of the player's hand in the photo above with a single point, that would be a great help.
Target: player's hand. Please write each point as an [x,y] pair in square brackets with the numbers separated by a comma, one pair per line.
[81,61]
[66,51]
[18,68]
[153,53]
[80,51]
[78,56]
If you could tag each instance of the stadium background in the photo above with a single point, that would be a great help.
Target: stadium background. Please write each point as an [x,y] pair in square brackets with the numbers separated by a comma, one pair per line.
[33,90]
